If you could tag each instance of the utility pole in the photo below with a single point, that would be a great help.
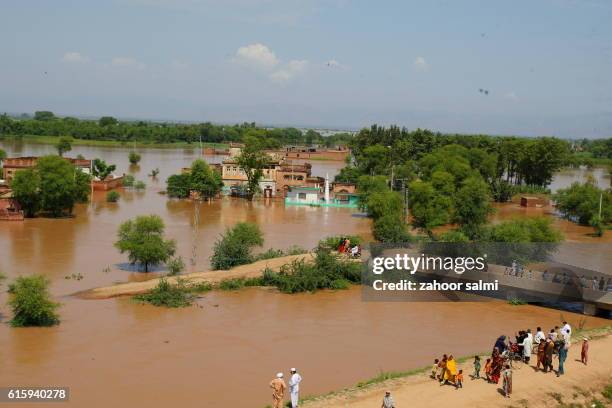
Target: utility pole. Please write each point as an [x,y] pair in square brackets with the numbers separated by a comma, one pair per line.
[405,195]
[600,200]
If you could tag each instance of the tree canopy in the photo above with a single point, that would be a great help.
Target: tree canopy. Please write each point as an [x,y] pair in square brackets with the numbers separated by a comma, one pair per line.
[143,239]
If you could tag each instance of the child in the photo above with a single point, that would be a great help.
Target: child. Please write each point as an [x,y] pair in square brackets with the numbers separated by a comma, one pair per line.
[476,367]
[459,380]
[584,353]
[434,369]
[507,374]
[488,369]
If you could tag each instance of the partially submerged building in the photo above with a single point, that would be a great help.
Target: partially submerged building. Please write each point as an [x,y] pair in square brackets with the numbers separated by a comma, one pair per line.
[12,165]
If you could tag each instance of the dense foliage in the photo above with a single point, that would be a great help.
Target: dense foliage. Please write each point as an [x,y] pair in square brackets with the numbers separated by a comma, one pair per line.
[143,240]
[166,294]
[31,302]
[201,179]
[109,128]
[112,197]
[235,246]
[581,202]
[53,186]
[252,160]
[101,170]
[328,271]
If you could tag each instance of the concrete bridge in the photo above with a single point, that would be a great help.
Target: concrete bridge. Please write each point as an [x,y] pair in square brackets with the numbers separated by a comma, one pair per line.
[538,286]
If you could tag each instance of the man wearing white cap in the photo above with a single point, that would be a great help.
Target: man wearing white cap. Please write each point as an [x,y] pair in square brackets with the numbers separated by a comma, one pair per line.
[278,386]
[294,387]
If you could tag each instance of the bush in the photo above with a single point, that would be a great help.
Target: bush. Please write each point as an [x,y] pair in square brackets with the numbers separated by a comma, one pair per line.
[31,303]
[328,271]
[134,158]
[112,197]
[239,283]
[168,295]
[234,247]
[176,266]
[333,242]
[389,228]
[140,185]
[277,253]
[128,180]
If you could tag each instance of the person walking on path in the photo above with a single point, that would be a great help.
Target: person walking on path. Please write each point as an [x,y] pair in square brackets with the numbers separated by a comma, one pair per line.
[278,386]
[548,355]
[387,401]
[476,367]
[294,387]
[563,349]
[584,353]
[507,387]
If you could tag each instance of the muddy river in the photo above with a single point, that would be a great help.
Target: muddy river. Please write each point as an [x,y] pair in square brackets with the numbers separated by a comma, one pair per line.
[224,350]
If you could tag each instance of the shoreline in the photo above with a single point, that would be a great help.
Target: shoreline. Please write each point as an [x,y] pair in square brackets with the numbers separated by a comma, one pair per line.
[406,385]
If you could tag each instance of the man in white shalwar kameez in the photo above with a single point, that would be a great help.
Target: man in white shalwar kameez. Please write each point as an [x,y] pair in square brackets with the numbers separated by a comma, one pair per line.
[294,387]
[527,346]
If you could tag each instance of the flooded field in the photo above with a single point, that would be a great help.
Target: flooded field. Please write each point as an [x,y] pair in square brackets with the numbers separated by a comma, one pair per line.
[224,350]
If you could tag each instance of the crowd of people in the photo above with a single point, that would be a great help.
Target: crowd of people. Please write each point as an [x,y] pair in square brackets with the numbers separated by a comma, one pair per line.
[279,387]
[591,282]
[498,366]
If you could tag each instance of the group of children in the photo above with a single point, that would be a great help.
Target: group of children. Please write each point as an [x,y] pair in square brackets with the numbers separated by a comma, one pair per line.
[445,371]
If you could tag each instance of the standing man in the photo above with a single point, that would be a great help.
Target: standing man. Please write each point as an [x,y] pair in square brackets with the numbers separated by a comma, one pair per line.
[567,329]
[388,401]
[278,386]
[294,387]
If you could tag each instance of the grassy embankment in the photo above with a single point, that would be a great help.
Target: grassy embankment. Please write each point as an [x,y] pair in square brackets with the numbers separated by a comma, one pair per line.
[109,143]
[389,376]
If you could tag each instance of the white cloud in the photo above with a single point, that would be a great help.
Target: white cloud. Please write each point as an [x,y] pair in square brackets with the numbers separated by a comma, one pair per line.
[74,57]
[420,64]
[258,55]
[289,71]
[127,62]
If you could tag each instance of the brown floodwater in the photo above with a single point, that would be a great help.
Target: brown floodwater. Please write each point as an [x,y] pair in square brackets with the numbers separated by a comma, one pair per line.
[224,350]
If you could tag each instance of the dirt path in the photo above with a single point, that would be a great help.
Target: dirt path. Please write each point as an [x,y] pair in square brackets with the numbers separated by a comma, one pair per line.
[531,388]
[244,271]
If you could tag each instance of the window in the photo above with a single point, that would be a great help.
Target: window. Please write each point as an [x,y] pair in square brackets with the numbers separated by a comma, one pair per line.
[302,196]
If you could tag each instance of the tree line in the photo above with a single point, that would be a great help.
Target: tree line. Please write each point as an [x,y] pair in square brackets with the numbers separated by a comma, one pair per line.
[45,123]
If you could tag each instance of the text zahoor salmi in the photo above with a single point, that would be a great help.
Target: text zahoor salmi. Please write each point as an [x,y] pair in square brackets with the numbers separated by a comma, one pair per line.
[412,264]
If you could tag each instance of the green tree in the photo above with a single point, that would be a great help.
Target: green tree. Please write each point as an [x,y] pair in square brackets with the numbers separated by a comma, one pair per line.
[107,121]
[31,302]
[143,240]
[390,228]
[472,206]
[61,185]
[178,185]
[26,187]
[429,207]
[43,115]
[252,161]
[2,156]
[176,266]
[235,246]
[101,170]
[581,202]
[204,180]
[387,202]
[134,158]
[63,145]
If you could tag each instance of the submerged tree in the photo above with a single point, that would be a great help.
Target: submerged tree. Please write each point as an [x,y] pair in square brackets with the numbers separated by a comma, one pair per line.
[143,240]
[101,170]
[31,302]
[252,161]
[63,145]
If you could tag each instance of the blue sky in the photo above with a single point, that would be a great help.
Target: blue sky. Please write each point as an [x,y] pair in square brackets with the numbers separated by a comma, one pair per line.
[546,64]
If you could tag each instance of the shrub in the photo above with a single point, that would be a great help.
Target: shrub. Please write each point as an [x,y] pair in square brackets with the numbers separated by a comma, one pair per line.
[140,185]
[239,283]
[112,197]
[234,247]
[173,295]
[31,302]
[333,242]
[389,228]
[168,295]
[277,253]
[328,271]
[128,180]
[134,158]
[176,266]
